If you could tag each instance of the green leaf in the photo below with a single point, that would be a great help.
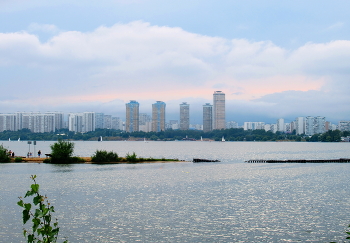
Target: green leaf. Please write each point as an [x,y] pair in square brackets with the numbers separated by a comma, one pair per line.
[20,203]
[36,223]
[348,233]
[26,216]
[29,193]
[30,238]
[35,188]
[38,213]
[27,206]
[37,199]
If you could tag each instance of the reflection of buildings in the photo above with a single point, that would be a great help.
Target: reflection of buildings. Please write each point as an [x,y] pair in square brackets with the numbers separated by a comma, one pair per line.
[219,110]
[132,116]
[158,116]
[207,117]
[184,116]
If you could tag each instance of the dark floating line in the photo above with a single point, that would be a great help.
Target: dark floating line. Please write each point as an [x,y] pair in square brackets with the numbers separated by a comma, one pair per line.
[341,160]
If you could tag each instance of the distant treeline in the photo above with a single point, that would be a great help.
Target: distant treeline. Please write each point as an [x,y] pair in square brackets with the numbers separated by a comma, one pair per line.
[233,134]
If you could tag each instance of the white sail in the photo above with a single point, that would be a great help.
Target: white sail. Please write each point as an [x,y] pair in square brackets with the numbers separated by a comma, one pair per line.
[223,139]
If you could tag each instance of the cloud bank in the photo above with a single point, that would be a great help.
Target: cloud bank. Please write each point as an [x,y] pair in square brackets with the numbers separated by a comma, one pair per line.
[75,70]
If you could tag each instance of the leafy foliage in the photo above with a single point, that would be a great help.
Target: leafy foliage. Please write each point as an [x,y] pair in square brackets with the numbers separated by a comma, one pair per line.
[40,212]
[131,157]
[61,152]
[18,159]
[104,156]
[4,155]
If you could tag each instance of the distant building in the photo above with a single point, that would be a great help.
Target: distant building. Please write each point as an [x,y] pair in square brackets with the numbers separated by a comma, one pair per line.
[158,116]
[219,110]
[299,124]
[315,125]
[116,123]
[344,126]
[99,120]
[184,116]
[81,122]
[280,125]
[207,117]
[145,122]
[132,116]
[231,124]
[253,125]
[7,122]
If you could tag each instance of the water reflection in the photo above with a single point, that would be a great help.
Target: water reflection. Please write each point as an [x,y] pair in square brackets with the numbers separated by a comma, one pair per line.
[61,168]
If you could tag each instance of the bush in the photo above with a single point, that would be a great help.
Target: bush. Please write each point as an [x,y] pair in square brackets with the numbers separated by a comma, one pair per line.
[104,156]
[132,157]
[77,160]
[61,152]
[18,159]
[4,155]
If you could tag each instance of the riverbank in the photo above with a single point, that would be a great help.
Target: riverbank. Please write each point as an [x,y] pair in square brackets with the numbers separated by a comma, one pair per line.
[87,160]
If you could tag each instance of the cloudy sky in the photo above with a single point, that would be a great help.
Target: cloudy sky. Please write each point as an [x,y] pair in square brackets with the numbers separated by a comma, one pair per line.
[272,58]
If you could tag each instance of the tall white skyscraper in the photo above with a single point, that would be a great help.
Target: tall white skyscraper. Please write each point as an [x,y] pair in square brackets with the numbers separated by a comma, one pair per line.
[299,125]
[207,117]
[219,121]
[184,116]
[280,125]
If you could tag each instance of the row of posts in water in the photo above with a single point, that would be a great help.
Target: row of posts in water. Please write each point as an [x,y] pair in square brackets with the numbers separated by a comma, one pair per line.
[342,160]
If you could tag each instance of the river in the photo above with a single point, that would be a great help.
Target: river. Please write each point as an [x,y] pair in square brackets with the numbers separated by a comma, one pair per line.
[230,201]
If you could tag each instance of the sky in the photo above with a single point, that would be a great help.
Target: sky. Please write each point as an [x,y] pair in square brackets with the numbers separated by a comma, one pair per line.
[273,59]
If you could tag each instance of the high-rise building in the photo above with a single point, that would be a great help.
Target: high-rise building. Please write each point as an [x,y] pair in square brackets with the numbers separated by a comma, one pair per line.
[219,110]
[320,124]
[253,125]
[158,116]
[145,122]
[280,125]
[81,122]
[207,117]
[314,125]
[184,116]
[132,116]
[299,125]
[344,125]
[99,117]
[7,122]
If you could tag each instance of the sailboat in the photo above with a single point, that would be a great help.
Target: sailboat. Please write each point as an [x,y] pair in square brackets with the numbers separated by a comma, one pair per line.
[9,139]
[222,139]
[100,139]
[144,139]
[201,139]
[19,139]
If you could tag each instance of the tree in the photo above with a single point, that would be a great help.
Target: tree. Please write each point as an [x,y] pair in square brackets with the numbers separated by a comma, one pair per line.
[61,152]
[3,155]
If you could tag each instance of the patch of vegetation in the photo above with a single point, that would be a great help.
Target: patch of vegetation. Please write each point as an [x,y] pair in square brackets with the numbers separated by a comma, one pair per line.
[131,157]
[18,159]
[104,156]
[61,152]
[41,213]
[4,155]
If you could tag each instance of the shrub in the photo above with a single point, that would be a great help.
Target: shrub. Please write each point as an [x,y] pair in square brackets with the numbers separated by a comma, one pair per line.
[104,156]
[47,161]
[40,212]
[4,155]
[77,160]
[18,159]
[132,157]
[61,152]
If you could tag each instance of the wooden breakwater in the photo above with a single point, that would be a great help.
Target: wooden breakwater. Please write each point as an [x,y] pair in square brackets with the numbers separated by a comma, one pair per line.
[342,160]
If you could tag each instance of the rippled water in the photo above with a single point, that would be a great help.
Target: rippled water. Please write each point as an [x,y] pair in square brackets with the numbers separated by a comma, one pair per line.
[229,201]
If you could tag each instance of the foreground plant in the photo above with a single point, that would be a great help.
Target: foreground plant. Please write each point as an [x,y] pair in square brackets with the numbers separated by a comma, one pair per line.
[40,212]
[4,155]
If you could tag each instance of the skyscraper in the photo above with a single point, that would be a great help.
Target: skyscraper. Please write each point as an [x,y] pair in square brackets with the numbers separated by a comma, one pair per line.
[219,110]
[132,116]
[158,116]
[207,117]
[184,116]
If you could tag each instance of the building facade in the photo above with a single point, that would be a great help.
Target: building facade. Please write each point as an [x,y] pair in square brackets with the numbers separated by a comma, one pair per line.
[132,116]
[184,116]
[219,121]
[207,117]
[158,116]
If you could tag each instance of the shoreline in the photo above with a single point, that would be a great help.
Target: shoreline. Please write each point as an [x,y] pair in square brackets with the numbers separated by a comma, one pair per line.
[88,161]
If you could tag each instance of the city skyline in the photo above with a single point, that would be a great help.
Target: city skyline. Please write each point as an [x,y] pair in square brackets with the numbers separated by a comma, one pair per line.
[272,59]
